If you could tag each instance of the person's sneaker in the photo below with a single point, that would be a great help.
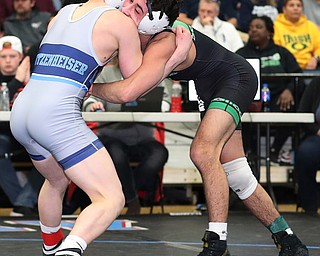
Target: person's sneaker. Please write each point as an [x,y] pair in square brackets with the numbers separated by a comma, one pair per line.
[212,246]
[22,211]
[289,244]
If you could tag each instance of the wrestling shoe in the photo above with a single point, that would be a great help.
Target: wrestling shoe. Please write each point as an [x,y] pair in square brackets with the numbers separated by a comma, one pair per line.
[212,246]
[69,252]
[51,251]
[289,245]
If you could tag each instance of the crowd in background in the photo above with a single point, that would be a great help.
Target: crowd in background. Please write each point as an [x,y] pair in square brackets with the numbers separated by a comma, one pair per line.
[283,34]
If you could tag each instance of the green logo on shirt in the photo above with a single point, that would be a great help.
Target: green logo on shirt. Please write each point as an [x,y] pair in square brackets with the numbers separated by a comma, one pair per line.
[297,42]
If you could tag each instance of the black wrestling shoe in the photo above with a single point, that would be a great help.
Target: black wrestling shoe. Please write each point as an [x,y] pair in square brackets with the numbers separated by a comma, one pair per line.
[289,245]
[212,246]
[69,252]
[52,251]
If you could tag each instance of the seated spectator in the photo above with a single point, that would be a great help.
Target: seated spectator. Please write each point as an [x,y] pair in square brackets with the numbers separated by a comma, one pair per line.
[274,59]
[51,6]
[208,23]
[307,160]
[298,34]
[26,23]
[23,199]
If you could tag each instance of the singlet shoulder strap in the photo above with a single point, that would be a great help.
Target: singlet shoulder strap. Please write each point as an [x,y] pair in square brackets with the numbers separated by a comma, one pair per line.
[180,23]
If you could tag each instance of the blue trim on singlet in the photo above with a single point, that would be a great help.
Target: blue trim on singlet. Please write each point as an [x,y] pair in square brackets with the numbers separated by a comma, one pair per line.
[70,63]
[81,154]
[37,157]
[59,80]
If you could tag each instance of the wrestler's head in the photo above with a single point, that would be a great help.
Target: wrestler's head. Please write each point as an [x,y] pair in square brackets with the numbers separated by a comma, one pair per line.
[135,9]
[161,14]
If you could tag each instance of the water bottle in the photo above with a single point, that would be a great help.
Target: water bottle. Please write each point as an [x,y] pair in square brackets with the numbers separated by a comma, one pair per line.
[176,97]
[4,97]
[265,96]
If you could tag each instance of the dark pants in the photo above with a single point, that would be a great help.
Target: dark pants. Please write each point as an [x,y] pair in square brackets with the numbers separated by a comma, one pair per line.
[280,132]
[19,196]
[151,157]
[307,163]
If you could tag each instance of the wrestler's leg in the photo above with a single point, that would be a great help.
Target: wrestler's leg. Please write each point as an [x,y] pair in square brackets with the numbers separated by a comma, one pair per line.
[97,177]
[52,191]
[50,203]
[259,202]
[214,131]
[242,181]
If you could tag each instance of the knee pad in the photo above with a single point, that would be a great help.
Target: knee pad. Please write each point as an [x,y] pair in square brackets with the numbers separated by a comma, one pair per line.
[240,177]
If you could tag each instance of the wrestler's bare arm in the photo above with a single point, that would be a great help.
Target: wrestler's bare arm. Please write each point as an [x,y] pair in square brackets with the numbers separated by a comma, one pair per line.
[183,42]
[148,75]
[158,62]
[108,37]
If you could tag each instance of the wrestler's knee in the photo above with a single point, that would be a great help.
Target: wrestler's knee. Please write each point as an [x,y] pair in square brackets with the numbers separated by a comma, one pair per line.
[240,177]
[58,183]
[114,200]
[118,202]
[204,155]
[196,154]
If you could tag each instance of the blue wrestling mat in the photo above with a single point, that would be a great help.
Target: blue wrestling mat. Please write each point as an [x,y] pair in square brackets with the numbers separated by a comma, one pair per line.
[14,225]
[164,235]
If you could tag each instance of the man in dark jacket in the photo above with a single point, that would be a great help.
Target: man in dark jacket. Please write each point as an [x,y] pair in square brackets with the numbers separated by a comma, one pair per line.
[26,23]
[274,59]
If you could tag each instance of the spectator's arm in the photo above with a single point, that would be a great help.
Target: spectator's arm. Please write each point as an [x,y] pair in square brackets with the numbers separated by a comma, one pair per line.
[291,66]
[86,106]
[14,86]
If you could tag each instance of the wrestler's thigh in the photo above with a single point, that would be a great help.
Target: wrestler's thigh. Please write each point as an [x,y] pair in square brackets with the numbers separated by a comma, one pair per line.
[96,174]
[215,128]
[233,149]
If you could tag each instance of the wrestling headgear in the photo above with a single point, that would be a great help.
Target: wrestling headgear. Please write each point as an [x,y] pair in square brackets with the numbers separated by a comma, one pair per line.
[153,22]
[115,3]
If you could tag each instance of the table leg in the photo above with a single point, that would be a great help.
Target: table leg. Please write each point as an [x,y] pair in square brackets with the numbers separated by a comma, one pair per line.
[258,157]
[268,167]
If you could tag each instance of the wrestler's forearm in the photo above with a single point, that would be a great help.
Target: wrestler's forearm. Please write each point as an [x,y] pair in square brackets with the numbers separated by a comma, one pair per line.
[183,45]
[106,92]
[177,58]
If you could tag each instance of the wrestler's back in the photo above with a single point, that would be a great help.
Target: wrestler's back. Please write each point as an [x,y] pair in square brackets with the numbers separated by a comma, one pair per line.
[218,73]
